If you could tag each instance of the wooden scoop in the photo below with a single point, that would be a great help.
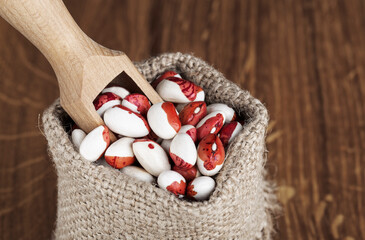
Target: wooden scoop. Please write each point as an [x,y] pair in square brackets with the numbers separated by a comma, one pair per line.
[82,66]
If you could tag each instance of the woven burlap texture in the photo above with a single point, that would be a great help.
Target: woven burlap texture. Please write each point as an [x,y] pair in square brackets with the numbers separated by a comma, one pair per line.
[95,202]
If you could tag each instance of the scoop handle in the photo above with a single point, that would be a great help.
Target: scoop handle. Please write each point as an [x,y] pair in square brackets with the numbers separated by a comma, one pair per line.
[51,28]
[82,66]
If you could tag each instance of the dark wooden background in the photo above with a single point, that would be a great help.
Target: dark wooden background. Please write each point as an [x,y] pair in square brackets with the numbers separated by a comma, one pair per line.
[304,59]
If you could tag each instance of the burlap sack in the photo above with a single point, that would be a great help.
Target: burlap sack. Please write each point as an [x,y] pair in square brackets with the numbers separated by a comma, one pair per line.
[95,202]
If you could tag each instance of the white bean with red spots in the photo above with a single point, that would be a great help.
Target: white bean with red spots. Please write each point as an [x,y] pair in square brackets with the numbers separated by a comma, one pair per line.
[122,120]
[105,101]
[163,119]
[183,151]
[210,124]
[176,90]
[173,182]
[95,143]
[120,154]
[200,188]
[138,103]
[151,156]
[229,132]
[211,155]
[165,75]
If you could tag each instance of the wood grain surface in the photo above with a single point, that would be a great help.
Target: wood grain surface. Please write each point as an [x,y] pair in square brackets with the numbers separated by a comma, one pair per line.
[304,59]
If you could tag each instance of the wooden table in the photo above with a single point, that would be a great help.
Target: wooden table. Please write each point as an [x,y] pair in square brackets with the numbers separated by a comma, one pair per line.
[305,60]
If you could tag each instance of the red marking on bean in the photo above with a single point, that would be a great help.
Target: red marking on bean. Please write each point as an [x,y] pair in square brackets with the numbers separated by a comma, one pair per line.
[172,116]
[103,98]
[226,132]
[180,162]
[198,89]
[140,101]
[119,162]
[190,190]
[192,133]
[151,146]
[187,88]
[213,122]
[177,188]
[234,117]
[188,174]
[189,117]
[211,158]
[106,137]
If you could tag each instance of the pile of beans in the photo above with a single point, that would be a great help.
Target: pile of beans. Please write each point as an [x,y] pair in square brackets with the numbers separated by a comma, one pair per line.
[176,141]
